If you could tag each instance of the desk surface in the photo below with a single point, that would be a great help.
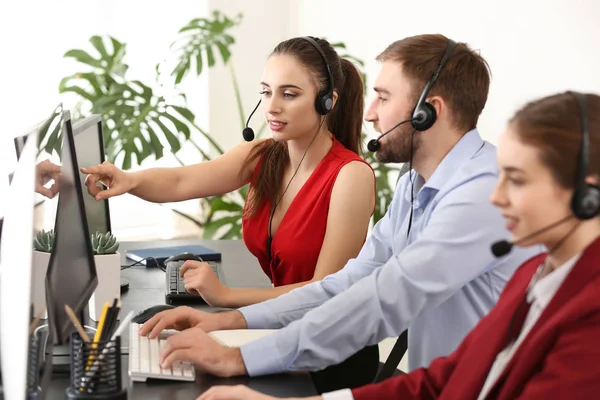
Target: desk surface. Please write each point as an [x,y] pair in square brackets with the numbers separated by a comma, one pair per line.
[146,288]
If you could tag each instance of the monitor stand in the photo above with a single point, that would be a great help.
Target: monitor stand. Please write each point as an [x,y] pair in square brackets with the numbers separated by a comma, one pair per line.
[60,354]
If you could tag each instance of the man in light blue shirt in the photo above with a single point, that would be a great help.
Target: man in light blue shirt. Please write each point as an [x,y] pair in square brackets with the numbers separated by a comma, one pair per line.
[437,281]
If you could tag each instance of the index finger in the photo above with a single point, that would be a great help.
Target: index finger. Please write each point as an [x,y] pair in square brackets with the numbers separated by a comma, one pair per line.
[156,324]
[54,169]
[189,264]
[96,169]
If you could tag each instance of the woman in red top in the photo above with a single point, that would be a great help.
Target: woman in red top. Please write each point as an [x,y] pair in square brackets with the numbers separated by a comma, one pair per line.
[541,339]
[309,189]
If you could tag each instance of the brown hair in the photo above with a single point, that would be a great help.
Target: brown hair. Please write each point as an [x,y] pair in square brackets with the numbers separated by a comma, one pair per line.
[344,121]
[553,124]
[463,82]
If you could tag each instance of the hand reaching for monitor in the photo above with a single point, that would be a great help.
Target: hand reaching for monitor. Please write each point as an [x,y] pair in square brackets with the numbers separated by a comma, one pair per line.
[117,181]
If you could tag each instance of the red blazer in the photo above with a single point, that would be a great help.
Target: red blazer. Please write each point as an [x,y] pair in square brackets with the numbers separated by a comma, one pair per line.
[559,358]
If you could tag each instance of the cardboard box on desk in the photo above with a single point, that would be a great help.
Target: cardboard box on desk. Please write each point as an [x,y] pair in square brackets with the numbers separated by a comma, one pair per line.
[108,270]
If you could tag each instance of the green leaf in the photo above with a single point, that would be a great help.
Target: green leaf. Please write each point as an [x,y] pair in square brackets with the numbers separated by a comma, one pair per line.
[219,204]
[84,58]
[181,127]
[181,70]
[155,142]
[235,232]
[201,35]
[199,63]
[79,91]
[185,113]
[171,138]
[127,161]
[54,140]
[211,228]
[225,53]
[99,45]
[210,57]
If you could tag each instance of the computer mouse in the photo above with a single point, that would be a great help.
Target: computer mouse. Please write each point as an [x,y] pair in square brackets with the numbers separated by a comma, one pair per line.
[149,312]
[183,256]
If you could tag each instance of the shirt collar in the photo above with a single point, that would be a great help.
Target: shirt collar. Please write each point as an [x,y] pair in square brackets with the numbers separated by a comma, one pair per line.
[462,151]
[544,289]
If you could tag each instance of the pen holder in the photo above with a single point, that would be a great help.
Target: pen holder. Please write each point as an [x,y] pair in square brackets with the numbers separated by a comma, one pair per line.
[34,363]
[95,370]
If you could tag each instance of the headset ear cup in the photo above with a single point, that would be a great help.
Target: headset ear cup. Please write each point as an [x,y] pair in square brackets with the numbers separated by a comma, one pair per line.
[586,202]
[324,103]
[426,122]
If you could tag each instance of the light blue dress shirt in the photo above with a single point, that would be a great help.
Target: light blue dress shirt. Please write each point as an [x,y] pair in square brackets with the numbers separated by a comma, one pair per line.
[439,282]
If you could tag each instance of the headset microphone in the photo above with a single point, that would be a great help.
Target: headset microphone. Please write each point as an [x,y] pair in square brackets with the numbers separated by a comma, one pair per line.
[503,247]
[373,144]
[248,133]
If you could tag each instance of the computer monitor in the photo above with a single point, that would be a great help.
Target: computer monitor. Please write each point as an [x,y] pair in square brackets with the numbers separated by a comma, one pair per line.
[89,147]
[71,278]
[16,275]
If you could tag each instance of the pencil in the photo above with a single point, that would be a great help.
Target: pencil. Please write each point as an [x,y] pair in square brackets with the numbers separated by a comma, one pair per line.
[77,324]
[98,334]
[36,320]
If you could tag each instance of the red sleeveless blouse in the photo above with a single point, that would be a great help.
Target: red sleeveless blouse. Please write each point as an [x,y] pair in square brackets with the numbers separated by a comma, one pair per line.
[297,242]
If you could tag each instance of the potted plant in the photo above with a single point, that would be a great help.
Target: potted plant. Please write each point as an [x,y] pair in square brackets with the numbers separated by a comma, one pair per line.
[42,248]
[108,270]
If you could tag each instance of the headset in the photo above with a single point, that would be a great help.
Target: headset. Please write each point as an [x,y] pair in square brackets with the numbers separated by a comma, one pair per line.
[323,102]
[585,203]
[424,114]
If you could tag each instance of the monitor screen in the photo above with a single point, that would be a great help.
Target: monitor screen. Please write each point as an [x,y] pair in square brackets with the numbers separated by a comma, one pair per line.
[19,318]
[71,278]
[89,147]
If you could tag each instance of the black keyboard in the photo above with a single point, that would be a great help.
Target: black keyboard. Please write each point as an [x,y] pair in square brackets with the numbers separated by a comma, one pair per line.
[175,290]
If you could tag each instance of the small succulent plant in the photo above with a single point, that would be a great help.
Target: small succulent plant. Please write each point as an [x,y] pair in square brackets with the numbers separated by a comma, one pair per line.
[104,243]
[44,240]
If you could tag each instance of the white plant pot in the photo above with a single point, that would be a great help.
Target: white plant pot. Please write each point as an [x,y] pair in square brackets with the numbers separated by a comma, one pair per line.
[39,266]
[108,270]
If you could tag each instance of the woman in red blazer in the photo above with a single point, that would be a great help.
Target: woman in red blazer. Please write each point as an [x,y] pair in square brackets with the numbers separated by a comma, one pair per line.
[542,340]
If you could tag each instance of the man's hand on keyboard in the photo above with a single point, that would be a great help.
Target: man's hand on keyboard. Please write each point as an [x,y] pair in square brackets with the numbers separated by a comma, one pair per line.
[200,279]
[183,317]
[237,392]
[196,346]
[179,318]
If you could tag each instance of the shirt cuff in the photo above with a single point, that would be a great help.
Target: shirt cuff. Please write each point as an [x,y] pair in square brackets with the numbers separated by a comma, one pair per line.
[261,357]
[258,316]
[344,394]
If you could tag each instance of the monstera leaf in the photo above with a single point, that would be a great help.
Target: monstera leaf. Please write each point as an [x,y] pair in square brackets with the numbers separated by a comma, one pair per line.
[199,41]
[225,218]
[137,122]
